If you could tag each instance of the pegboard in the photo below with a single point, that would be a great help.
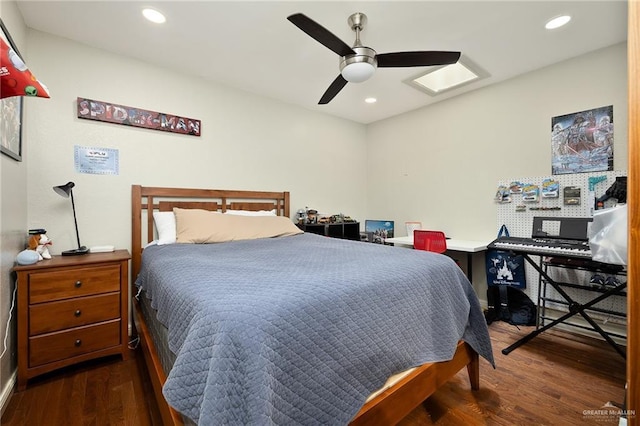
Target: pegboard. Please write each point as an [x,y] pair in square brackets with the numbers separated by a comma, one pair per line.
[518,215]
[520,223]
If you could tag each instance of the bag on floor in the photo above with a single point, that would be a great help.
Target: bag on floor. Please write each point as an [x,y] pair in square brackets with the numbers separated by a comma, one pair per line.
[503,267]
[510,304]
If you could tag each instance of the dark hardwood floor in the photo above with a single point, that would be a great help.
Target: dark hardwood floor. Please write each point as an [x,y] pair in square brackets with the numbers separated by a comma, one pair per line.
[558,378]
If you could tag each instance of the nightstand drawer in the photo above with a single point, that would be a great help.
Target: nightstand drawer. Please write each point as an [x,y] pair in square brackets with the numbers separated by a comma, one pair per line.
[62,345]
[64,284]
[48,317]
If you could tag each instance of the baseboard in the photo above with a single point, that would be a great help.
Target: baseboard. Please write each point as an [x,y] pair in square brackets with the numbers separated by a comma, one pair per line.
[7,391]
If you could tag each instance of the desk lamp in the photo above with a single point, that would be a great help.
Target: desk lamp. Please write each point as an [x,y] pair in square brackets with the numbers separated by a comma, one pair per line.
[66,191]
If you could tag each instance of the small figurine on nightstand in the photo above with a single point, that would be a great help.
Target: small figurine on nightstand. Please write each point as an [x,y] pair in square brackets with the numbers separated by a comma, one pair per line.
[40,243]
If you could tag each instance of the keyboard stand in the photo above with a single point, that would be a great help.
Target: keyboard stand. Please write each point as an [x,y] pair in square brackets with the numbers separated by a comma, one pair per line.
[574,309]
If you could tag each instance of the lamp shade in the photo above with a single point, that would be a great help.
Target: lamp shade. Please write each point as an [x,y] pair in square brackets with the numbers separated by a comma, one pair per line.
[64,190]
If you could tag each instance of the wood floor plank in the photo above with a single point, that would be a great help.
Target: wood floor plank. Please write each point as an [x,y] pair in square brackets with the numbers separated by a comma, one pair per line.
[37,408]
[552,380]
[55,395]
[78,393]
[94,390]
[116,391]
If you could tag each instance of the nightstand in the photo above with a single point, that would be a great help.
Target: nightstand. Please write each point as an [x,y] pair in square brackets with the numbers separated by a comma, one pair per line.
[71,309]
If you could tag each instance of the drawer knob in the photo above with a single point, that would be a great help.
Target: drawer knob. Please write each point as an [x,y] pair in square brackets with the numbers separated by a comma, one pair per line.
[78,342]
[77,312]
[78,284]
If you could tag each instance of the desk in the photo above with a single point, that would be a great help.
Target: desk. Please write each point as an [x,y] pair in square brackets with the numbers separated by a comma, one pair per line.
[453,244]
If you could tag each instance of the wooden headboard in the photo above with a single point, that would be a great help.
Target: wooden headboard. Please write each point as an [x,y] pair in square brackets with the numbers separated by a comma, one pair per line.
[145,200]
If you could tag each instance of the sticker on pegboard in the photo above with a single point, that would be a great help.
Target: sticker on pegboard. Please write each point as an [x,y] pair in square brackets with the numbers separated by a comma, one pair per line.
[550,188]
[572,195]
[530,193]
[502,195]
[515,187]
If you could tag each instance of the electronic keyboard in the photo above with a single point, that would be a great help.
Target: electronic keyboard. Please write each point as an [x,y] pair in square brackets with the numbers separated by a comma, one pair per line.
[544,246]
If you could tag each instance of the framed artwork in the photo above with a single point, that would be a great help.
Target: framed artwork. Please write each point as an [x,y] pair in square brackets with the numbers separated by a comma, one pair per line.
[582,142]
[10,114]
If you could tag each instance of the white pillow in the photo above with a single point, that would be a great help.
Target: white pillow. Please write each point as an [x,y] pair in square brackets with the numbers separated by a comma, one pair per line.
[252,212]
[166,226]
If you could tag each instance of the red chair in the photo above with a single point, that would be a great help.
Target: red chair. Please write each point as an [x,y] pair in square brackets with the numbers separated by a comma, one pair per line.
[434,241]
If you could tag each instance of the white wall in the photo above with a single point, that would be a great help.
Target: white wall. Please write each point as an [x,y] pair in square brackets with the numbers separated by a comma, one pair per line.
[441,164]
[13,215]
[247,142]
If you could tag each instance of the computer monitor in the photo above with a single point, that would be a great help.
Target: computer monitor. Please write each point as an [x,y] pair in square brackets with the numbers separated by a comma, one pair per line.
[565,228]
[378,230]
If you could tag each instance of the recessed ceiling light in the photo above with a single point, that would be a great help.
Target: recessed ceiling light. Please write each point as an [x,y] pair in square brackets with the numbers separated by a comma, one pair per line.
[371,100]
[557,22]
[154,16]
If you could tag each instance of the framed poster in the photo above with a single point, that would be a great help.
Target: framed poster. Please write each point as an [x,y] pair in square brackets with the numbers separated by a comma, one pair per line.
[582,142]
[10,114]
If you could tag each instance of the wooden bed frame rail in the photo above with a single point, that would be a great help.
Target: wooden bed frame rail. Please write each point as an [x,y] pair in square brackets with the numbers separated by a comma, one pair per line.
[387,408]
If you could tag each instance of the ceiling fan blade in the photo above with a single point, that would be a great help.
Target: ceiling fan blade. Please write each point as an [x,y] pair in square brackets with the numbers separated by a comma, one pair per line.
[416,59]
[333,90]
[320,34]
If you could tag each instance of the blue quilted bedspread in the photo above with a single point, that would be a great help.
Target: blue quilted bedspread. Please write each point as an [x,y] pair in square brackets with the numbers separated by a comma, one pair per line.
[301,329]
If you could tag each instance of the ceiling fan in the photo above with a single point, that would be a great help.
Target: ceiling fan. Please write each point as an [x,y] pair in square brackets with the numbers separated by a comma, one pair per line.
[358,63]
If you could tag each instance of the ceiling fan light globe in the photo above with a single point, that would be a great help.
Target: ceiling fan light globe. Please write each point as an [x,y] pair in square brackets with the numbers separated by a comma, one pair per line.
[359,67]
[358,72]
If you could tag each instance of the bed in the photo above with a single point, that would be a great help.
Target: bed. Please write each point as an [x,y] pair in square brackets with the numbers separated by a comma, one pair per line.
[294,328]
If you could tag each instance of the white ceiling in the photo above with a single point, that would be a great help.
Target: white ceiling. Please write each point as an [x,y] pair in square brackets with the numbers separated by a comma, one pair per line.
[251,45]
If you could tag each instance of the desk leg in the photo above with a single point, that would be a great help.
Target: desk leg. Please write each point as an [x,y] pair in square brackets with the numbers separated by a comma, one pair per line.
[469,264]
